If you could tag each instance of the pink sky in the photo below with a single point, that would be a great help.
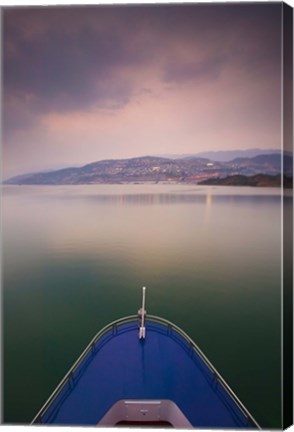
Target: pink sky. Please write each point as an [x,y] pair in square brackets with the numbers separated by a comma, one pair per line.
[91,83]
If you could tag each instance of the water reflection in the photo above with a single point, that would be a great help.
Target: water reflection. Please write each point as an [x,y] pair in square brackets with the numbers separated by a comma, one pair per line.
[170,199]
[74,257]
[152,227]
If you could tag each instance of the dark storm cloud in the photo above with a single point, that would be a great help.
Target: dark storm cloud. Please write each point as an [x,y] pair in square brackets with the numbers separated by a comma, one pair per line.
[86,83]
[60,59]
[240,36]
[64,68]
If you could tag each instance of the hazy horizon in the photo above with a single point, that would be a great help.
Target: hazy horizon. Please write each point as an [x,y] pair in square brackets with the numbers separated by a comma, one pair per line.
[88,83]
[164,156]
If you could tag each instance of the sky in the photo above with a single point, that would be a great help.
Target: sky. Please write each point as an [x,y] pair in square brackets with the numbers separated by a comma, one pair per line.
[82,84]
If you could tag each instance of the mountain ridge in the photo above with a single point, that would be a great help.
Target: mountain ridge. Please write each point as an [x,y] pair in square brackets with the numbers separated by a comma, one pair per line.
[157,169]
[227,155]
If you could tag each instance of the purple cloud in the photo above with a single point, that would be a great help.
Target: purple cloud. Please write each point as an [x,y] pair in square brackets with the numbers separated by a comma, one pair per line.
[69,58]
[100,67]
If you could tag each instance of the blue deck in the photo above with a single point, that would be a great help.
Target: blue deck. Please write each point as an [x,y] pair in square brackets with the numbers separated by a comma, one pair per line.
[163,366]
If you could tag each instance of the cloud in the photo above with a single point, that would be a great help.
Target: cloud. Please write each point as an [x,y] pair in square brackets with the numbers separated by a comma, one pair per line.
[197,70]
[124,79]
[65,70]
[73,58]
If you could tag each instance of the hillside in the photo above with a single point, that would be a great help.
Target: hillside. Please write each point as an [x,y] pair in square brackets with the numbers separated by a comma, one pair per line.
[259,180]
[158,169]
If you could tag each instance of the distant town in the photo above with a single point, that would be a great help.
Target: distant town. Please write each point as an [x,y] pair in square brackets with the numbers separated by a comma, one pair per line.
[185,170]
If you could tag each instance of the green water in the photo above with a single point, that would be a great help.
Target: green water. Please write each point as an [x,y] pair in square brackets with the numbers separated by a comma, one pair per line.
[75,258]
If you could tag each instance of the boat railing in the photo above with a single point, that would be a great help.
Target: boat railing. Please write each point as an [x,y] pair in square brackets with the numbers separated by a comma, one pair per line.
[112,329]
[111,326]
[216,374]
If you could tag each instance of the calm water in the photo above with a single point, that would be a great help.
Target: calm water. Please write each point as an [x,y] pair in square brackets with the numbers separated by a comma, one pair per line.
[76,257]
